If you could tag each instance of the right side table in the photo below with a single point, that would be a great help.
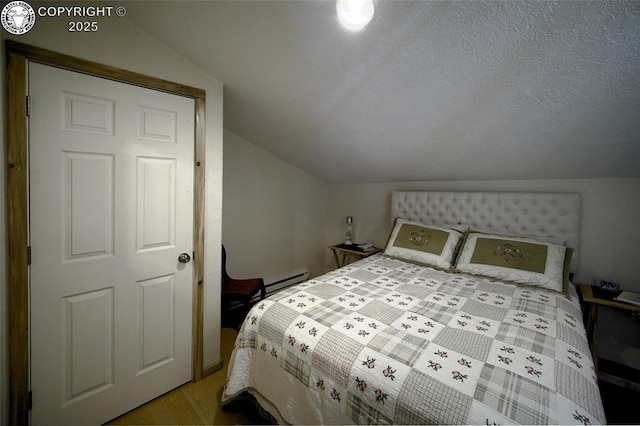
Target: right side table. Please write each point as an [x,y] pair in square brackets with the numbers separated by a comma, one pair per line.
[593,297]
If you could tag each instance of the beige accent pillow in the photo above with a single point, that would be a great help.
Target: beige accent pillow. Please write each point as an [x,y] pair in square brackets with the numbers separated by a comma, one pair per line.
[427,245]
[514,259]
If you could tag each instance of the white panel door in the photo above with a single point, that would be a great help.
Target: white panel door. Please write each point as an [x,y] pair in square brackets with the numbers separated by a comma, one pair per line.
[111,210]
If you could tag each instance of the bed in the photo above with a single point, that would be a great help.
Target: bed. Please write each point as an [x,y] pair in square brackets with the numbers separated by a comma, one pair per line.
[434,330]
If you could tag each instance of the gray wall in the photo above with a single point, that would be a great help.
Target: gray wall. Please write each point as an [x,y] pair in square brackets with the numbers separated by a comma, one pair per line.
[273,214]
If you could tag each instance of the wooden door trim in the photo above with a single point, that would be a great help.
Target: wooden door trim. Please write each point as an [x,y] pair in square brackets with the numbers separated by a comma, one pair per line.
[17,240]
[18,56]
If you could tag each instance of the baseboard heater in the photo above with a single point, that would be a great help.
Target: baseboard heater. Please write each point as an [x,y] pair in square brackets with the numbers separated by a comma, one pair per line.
[276,286]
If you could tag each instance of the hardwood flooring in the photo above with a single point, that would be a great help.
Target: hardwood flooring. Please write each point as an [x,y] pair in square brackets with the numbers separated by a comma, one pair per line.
[196,403]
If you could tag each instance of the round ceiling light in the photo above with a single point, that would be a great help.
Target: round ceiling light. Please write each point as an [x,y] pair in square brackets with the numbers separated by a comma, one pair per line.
[354,14]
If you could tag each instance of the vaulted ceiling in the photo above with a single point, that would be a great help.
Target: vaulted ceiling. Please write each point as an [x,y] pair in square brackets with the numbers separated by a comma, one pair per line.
[429,90]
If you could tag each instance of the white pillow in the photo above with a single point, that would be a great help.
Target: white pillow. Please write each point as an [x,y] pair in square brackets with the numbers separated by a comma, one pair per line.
[428,245]
[520,260]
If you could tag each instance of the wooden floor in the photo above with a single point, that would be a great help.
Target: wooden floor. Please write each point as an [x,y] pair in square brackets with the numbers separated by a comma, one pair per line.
[195,403]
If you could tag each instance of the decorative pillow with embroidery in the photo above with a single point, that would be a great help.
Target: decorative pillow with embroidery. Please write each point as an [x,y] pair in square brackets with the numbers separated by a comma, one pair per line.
[514,259]
[427,245]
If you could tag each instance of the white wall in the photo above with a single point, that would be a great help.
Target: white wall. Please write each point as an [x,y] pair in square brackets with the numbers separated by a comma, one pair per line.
[119,44]
[273,214]
[609,247]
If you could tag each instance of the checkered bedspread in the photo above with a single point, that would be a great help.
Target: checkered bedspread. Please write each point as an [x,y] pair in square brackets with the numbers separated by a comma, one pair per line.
[384,341]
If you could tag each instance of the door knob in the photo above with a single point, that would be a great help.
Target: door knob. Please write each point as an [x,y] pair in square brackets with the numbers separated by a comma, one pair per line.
[184,258]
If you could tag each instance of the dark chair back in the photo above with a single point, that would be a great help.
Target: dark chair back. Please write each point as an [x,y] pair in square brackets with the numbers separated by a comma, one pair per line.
[239,290]
[225,276]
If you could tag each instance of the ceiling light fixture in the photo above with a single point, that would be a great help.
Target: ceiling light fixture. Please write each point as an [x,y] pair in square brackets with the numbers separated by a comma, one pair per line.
[354,15]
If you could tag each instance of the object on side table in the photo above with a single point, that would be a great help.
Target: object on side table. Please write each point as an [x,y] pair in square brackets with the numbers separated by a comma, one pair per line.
[349,250]
[628,297]
[366,247]
[348,233]
[609,286]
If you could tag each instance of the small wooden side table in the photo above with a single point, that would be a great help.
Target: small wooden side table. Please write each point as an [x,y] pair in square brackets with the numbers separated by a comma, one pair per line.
[349,250]
[593,297]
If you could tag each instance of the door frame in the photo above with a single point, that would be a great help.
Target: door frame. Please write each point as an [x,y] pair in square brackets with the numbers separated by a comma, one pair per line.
[18,254]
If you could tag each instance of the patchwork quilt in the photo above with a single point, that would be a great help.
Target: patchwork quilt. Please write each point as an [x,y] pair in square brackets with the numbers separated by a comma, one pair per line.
[383,341]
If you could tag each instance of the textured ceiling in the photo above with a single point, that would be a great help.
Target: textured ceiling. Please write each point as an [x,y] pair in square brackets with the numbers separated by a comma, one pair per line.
[428,91]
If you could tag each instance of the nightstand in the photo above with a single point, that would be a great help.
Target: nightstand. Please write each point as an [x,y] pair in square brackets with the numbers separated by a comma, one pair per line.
[593,297]
[350,250]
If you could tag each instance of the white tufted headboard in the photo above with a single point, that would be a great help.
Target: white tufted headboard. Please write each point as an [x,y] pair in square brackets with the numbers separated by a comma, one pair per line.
[534,214]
